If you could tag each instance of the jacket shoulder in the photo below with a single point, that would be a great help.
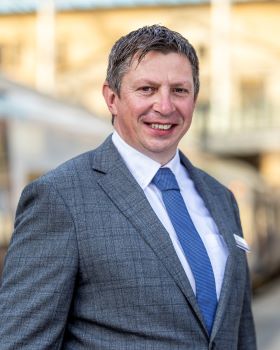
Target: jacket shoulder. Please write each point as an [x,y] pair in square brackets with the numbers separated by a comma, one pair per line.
[68,170]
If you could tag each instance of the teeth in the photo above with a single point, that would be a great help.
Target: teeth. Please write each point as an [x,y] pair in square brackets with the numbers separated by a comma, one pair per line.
[161,126]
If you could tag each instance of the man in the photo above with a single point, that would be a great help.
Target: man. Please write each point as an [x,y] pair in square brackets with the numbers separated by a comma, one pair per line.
[130,246]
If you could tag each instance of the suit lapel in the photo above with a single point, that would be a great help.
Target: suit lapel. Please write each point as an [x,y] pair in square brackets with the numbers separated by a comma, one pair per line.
[120,186]
[215,204]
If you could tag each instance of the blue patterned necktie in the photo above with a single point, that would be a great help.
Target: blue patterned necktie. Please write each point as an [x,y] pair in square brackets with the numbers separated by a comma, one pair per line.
[191,243]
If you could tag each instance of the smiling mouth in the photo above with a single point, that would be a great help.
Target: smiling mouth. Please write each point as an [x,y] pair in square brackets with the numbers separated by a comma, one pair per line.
[161,126]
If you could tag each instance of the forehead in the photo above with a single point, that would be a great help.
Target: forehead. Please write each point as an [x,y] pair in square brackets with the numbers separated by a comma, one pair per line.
[156,63]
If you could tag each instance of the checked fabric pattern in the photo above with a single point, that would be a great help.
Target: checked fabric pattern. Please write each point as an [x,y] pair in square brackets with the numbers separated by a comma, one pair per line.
[191,243]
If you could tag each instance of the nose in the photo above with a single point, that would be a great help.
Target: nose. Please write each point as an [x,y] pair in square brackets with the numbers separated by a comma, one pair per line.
[163,103]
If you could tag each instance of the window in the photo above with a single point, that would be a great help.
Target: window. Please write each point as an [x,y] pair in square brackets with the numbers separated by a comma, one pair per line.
[9,55]
[253,103]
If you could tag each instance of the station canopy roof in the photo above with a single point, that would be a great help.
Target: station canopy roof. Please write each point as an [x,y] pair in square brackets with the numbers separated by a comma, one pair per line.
[28,6]
[18,102]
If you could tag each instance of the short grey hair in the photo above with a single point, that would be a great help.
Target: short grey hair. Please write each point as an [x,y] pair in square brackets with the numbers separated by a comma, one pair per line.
[142,41]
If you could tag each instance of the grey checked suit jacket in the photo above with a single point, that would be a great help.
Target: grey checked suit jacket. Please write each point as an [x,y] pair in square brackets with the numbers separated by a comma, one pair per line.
[90,266]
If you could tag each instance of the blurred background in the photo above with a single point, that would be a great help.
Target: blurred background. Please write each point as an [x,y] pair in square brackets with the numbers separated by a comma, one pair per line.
[53,58]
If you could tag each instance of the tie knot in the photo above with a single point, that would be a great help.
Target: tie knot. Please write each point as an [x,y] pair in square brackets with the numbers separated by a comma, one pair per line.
[165,180]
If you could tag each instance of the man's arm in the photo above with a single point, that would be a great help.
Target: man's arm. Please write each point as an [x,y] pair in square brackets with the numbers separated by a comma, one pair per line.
[247,336]
[39,272]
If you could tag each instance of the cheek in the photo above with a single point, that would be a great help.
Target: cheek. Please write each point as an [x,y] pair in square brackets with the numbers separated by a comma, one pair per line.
[187,112]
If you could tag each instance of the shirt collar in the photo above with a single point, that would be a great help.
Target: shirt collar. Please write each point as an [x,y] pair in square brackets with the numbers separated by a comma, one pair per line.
[142,167]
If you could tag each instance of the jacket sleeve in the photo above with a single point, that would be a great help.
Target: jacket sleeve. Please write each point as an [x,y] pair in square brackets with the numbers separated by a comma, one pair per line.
[247,336]
[39,272]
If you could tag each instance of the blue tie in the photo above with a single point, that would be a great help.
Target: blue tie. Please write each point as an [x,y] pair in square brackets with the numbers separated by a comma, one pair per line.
[191,243]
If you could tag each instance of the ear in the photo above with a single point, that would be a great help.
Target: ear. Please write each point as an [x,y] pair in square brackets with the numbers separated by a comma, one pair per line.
[110,98]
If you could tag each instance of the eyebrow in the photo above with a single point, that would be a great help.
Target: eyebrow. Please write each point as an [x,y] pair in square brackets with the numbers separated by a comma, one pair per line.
[151,82]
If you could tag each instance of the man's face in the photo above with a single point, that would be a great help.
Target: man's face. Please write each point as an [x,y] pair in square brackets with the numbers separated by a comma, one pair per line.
[156,103]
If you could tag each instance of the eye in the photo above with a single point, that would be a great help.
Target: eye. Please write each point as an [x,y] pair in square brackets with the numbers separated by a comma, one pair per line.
[181,91]
[147,90]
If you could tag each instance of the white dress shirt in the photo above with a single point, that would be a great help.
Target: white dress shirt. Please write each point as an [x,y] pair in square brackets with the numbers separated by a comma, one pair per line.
[143,170]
